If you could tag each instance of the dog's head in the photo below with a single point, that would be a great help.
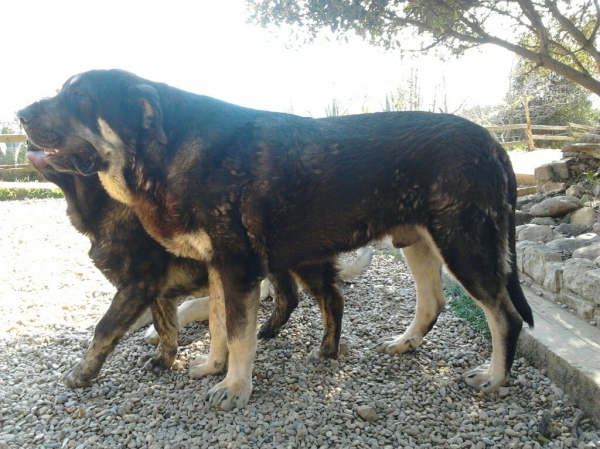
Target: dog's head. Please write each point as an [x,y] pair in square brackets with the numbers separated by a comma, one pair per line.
[97,117]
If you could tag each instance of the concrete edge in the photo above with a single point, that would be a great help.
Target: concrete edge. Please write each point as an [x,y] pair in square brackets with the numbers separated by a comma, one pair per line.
[568,348]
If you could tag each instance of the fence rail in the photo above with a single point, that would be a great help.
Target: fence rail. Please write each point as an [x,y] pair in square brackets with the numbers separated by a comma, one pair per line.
[569,133]
[19,168]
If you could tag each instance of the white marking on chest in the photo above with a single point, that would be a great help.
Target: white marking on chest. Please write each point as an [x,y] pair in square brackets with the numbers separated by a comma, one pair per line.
[195,245]
[110,145]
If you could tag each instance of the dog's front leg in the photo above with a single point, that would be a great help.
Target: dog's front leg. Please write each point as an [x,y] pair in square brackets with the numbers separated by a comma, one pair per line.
[127,305]
[216,360]
[238,292]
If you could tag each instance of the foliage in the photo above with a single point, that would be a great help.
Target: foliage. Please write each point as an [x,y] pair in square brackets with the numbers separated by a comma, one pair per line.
[464,307]
[558,35]
[20,193]
[552,99]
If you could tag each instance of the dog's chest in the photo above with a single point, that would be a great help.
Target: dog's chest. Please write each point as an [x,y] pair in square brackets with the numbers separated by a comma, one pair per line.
[194,245]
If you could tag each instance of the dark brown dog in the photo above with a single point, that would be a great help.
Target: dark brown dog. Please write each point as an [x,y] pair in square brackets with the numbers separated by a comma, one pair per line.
[252,192]
[144,273]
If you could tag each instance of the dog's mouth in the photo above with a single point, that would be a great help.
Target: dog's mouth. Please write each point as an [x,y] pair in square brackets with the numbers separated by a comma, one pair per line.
[37,157]
[82,160]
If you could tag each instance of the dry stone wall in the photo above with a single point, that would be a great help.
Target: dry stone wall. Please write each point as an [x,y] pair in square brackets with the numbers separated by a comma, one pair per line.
[558,234]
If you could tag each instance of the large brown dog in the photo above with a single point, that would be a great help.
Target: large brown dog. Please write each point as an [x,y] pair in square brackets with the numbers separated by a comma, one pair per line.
[252,191]
[147,275]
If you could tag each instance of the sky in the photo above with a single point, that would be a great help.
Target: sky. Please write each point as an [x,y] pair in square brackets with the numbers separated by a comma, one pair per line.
[206,47]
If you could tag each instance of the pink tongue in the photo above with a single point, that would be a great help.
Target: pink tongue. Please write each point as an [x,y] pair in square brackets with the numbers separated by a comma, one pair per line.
[37,158]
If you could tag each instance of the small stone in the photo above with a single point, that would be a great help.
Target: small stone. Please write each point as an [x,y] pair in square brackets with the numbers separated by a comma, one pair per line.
[367,413]
[503,392]
[593,323]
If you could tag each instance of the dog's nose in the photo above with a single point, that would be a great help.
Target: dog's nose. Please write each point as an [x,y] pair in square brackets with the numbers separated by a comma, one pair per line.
[25,115]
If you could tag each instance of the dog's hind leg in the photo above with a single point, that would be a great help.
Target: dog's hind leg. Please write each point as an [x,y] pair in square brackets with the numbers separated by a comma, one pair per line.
[479,261]
[321,280]
[284,303]
[425,266]
[505,325]
[127,305]
[164,315]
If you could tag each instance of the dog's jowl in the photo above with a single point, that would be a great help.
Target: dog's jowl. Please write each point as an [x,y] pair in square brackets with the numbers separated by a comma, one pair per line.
[251,192]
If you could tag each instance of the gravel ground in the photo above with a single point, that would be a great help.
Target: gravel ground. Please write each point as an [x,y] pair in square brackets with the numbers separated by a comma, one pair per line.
[52,296]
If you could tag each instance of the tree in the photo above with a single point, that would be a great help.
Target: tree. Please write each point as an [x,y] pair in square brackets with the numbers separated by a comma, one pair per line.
[559,36]
[552,100]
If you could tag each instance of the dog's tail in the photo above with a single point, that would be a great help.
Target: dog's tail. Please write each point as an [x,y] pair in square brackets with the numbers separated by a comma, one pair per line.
[350,270]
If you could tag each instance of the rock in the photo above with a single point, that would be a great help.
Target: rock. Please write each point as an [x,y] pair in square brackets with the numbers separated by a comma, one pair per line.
[586,216]
[596,191]
[555,207]
[552,188]
[597,261]
[596,228]
[553,276]
[575,190]
[522,217]
[560,170]
[535,259]
[582,277]
[591,252]
[567,245]
[543,173]
[367,413]
[544,221]
[536,233]
[503,392]
[529,199]
[570,229]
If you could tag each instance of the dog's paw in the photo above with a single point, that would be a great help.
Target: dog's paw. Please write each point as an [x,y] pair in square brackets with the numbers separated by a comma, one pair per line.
[482,379]
[156,365]
[399,344]
[267,331]
[203,366]
[151,336]
[75,379]
[319,355]
[227,397]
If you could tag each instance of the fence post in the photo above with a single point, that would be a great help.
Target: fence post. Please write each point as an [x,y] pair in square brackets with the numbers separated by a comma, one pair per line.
[528,130]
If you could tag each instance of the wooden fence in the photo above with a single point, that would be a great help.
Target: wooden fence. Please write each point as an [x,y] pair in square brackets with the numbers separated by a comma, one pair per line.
[568,133]
[22,168]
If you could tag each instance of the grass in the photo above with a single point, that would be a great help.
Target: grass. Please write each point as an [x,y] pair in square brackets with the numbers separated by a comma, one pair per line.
[464,307]
[19,194]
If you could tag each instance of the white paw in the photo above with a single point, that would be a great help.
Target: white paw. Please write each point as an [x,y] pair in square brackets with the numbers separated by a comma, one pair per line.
[228,397]
[203,366]
[151,336]
[399,344]
[482,379]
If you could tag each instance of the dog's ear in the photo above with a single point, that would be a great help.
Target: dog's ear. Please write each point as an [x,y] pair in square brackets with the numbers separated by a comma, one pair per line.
[152,118]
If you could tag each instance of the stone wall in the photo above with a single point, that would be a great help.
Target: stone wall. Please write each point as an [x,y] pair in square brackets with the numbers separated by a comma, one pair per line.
[558,235]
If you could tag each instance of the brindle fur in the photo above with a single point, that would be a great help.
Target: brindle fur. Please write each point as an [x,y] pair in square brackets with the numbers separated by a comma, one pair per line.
[252,192]
[145,274]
